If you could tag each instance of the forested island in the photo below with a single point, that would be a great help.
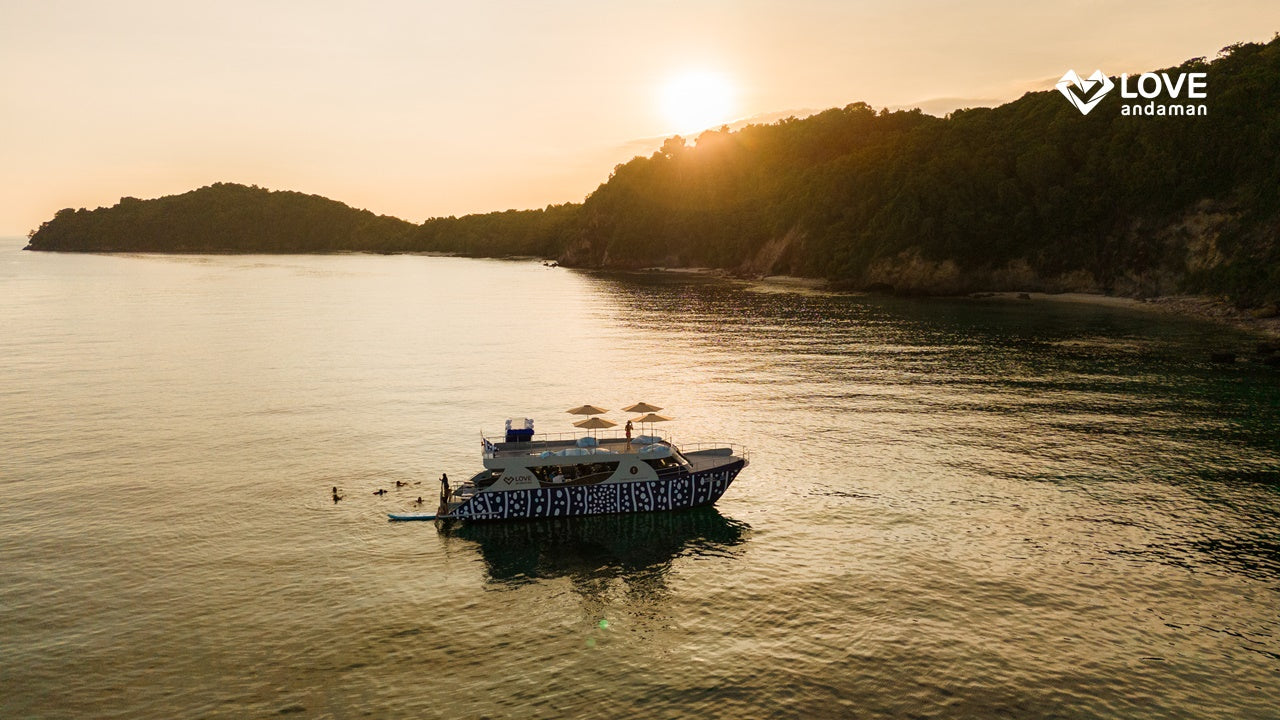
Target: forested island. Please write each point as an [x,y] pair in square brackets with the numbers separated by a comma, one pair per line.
[1031,195]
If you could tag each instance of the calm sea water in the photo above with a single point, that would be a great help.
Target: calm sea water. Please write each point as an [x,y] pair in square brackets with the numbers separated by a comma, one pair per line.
[954,508]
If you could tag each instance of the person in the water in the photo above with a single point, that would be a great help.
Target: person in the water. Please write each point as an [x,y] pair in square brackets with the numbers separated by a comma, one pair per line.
[379,491]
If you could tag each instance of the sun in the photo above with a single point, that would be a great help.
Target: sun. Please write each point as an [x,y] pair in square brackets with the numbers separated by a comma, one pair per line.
[698,100]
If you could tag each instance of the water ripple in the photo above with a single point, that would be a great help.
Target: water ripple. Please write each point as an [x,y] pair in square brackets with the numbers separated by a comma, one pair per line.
[954,509]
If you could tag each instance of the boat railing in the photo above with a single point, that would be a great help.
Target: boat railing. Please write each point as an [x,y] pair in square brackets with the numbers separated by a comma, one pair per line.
[734,449]
[498,443]
[545,437]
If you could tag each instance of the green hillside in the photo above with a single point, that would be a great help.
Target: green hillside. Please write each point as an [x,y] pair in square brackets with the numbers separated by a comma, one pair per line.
[223,218]
[1031,195]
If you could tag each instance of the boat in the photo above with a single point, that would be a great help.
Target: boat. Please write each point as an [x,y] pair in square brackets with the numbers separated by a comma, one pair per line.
[542,476]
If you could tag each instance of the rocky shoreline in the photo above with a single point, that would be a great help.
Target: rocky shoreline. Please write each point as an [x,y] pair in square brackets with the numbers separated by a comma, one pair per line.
[1264,321]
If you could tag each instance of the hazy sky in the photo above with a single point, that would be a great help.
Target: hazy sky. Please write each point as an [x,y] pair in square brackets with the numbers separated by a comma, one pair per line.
[420,109]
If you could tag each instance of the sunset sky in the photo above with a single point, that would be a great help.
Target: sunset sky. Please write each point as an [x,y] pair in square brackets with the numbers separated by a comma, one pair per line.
[421,109]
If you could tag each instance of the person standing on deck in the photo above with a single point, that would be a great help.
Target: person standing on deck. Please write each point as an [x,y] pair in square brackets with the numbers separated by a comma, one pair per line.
[628,429]
[444,487]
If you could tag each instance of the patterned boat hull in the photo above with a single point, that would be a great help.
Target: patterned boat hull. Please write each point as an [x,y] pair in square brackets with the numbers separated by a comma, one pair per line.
[683,491]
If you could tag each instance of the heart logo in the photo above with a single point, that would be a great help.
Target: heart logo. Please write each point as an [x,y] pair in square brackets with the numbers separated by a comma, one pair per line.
[1088,93]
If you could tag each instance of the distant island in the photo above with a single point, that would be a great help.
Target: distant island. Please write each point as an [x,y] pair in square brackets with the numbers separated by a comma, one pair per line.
[1031,195]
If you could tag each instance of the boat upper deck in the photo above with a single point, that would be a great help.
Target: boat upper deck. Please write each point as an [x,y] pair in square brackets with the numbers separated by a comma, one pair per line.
[567,448]
[556,443]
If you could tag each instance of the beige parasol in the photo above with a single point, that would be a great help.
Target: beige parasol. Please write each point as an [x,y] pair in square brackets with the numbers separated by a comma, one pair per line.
[594,423]
[650,418]
[642,407]
[587,410]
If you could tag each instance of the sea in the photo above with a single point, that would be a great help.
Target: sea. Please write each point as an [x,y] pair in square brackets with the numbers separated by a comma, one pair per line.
[954,508]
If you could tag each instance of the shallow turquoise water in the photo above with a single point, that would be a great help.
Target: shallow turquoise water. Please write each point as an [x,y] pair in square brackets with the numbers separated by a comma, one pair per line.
[954,508]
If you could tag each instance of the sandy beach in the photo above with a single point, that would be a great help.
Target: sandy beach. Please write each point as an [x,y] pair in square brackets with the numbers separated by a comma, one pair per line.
[1197,306]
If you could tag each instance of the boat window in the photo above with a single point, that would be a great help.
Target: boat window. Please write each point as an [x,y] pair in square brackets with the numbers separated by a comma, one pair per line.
[664,466]
[574,474]
[546,473]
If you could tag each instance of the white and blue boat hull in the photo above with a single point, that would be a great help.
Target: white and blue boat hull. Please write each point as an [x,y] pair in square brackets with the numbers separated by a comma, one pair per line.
[675,493]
